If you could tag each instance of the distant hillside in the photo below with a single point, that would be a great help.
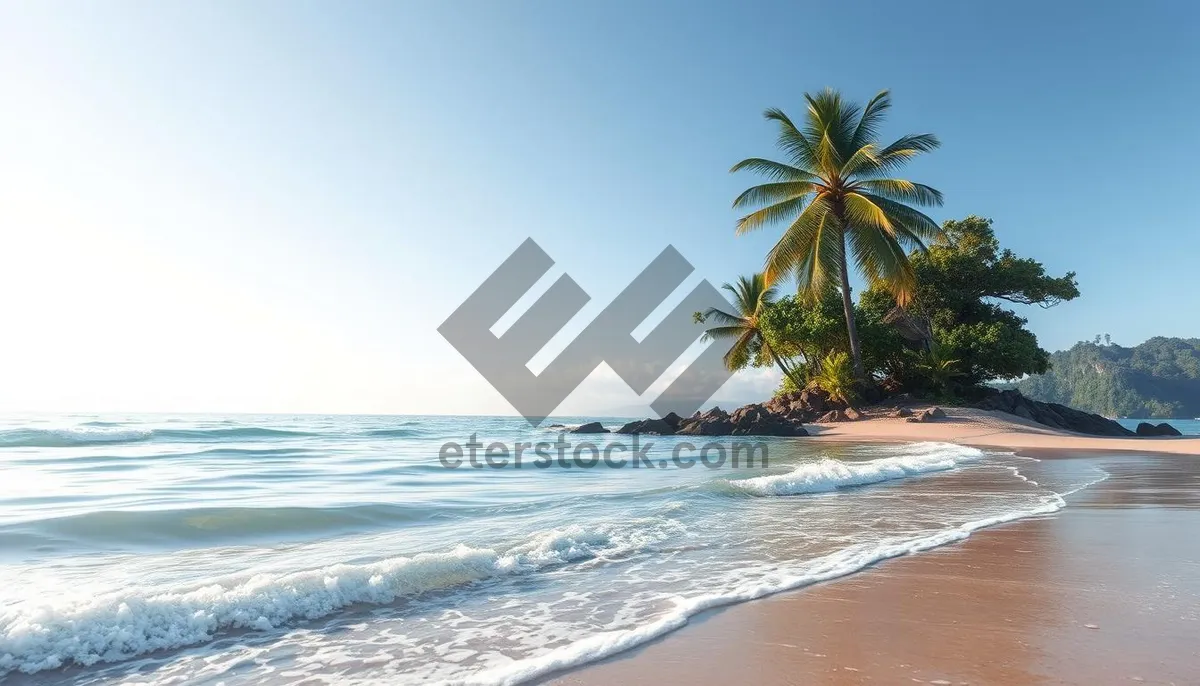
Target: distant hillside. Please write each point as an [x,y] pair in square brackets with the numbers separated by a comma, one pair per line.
[1159,378]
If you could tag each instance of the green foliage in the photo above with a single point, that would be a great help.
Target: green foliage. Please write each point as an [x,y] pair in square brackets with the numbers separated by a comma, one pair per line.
[838,203]
[804,331]
[939,369]
[750,345]
[961,282]
[836,377]
[1159,378]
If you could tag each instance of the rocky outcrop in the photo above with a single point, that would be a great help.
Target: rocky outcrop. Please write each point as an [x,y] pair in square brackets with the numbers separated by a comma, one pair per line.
[658,427]
[1052,414]
[1163,429]
[778,417]
[715,422]
[757,420]
[590,428]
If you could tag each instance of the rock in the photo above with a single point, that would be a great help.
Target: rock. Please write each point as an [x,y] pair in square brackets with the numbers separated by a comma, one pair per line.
[660,427]
[590,428]
[814,400]
[901,412]
[1163,429]
[557,426]
[1051,414]
[928,415]
[673,420]
[759,420]
[832,416]
[851,414]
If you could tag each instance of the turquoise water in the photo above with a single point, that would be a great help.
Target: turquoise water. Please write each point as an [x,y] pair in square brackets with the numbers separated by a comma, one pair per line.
[1187,427]
[338,549]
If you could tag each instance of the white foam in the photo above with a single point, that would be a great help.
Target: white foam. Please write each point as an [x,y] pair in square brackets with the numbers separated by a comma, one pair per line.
[828,475]
[844,562]
[123,625]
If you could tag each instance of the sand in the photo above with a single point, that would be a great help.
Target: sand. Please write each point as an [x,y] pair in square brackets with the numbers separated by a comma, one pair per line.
[1106,591]
[986,429]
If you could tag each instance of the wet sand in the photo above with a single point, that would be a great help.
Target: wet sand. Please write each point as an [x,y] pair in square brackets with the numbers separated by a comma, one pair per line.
[1106,591]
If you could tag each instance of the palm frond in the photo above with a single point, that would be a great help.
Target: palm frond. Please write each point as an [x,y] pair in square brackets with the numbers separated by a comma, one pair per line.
[792,141]
[900,152]
[722,318]
[739,354]
[717,333]
[902,190]
[911,220]
[777,191]
[872,117]
[771,214]
[771,169]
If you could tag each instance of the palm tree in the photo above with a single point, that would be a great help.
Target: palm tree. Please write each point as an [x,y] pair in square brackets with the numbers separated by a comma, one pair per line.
[839,202]
[751,295]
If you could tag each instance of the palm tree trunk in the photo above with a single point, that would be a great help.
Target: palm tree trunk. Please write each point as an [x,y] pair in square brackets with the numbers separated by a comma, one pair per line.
[848,305]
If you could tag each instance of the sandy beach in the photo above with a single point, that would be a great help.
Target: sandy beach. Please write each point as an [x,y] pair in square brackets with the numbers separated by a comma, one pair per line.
[987,429]
[1105,591]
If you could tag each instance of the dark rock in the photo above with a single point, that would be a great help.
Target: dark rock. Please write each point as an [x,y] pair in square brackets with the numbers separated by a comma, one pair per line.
[851,414]
[901,412]
[832,416]
[660,427]
[928,415]
[1163,429]
[814,399]
[590,428]
[673,420]
[1052,414]
[557,426]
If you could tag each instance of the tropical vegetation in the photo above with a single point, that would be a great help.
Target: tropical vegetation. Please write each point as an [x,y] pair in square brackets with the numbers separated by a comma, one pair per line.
[1159,378]
[839,200]
[751,297]
[936,317]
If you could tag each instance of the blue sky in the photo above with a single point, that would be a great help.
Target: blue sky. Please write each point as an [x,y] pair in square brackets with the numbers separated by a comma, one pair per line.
[271,206]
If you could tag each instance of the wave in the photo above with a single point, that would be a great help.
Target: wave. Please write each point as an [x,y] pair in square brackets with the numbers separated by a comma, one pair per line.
[830,475]
[396,433]
[236,432]
[210,524]
[130,623]
[842,563]
[67,437]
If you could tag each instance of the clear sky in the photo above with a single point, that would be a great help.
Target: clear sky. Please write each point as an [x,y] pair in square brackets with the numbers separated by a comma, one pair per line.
[270,206]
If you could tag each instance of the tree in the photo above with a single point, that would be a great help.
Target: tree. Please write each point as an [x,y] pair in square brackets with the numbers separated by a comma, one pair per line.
[836,195]
[751,297]
[961,281]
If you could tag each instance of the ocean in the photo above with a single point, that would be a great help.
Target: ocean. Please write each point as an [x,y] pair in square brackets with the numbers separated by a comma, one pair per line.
[340,549]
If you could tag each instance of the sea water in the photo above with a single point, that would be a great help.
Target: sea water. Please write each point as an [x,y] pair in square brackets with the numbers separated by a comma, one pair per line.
[340,549]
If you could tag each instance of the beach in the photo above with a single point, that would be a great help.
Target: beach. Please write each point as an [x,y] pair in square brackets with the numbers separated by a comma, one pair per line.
[252,549]
[1104,591]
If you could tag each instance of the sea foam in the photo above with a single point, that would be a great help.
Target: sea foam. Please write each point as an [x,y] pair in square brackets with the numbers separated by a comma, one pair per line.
[842,563]
[829,474]
[119,626]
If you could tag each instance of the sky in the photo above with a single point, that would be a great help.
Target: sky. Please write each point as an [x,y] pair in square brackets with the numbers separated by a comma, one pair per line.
[271,206]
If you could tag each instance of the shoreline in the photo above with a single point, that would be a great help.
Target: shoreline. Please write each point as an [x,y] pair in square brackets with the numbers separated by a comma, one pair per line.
[1104,590]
